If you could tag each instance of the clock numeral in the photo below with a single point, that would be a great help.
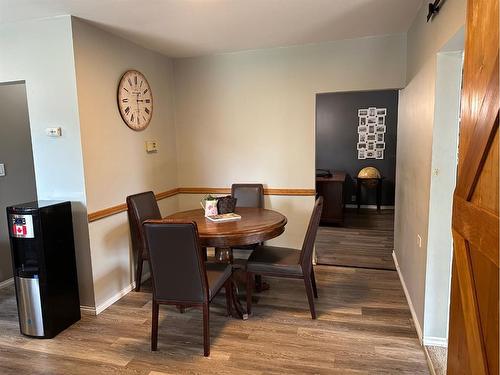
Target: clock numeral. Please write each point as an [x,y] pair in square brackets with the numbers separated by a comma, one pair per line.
[125,89]
[132,118]
[127,110]
[135,79]
[129,82]
[144,118]
[146,110]
[138,121]
[148,100]
[141,84]
[125,100]
[145,91]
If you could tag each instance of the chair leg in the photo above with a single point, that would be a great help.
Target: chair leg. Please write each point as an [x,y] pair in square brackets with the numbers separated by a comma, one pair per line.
[309,292]
[229,299]
[258,283]
[138,274]
[313,281]
[206,329]
[250,280]
[154,326]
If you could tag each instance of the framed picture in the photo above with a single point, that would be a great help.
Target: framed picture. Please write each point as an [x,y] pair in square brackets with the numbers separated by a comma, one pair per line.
[372,111]
[380,128]
[380,146]
[381,120]
[370,154]
[380,137]
[362,112]
[370,146]
[371,129]
[361,146]
[362,137]
[362,129]
[362,121]
[361,154]
[381,111]
[379,154]
[372,137]
[372,120]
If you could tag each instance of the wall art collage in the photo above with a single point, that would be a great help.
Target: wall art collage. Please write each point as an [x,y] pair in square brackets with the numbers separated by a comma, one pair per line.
[371,132]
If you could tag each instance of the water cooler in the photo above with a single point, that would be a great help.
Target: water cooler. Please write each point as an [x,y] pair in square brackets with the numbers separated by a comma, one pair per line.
[43,261]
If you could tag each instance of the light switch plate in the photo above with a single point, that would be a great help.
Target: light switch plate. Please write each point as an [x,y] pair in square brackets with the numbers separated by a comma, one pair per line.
[2,170]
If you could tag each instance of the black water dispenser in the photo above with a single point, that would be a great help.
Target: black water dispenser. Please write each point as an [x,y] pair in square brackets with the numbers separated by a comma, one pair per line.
[44,266]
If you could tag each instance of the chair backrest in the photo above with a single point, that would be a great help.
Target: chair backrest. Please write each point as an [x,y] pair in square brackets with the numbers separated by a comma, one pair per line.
[177,268]
[312,229]
[141,207]
[248,195]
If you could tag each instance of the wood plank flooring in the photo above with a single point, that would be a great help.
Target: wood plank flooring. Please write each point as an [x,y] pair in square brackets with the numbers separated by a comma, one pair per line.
[365,240]
[364,326]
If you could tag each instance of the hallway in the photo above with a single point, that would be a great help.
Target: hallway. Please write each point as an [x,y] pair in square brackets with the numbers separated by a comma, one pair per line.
[365,240]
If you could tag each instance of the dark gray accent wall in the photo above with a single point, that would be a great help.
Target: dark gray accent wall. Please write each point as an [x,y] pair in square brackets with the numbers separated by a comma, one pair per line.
[18,184]
[337,137]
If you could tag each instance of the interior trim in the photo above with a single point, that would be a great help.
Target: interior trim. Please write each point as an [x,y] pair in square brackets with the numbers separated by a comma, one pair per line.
[267,191]
[110,211]
[408,299]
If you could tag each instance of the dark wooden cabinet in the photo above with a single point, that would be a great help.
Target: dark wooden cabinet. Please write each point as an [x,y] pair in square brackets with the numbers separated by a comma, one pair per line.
[332,191]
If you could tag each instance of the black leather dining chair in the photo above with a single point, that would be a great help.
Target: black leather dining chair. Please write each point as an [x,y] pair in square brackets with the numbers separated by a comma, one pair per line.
[286,262]
[140,207]
[249,195]
[180,275]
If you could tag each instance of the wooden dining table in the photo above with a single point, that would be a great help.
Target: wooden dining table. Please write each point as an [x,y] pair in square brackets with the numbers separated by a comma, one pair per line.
[255,226]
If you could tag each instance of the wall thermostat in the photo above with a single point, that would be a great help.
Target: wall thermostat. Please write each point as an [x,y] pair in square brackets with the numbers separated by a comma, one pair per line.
[53,132]
[151,146]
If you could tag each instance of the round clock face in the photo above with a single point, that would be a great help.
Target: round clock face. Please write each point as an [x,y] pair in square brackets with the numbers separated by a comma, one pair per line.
[135,100]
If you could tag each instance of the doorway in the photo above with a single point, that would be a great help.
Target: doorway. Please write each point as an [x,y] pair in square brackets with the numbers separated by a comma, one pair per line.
[356,161]
[449,65]
[17,173]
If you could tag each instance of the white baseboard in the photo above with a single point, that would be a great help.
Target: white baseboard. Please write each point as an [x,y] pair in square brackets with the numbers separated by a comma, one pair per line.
[370,206]
[6,283]
[103,306]
[408,299]
[436,341]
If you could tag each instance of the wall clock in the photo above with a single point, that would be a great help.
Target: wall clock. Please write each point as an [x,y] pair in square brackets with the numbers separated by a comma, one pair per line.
[135,100]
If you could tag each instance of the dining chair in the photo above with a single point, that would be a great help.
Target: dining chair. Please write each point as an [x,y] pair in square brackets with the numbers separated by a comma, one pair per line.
[249,195]
[140,207]
[286,262]
[180,275]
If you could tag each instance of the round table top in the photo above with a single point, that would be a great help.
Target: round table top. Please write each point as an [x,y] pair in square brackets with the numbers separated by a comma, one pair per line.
[256,225]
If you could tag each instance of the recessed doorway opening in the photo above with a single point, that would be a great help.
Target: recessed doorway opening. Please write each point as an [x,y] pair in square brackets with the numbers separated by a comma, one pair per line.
[356,161]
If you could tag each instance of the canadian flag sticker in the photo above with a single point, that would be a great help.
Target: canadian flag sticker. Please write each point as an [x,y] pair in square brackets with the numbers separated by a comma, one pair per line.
[22,226]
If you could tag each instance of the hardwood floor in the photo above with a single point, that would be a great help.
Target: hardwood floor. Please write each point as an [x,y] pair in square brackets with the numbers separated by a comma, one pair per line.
[365,240]
[364,326]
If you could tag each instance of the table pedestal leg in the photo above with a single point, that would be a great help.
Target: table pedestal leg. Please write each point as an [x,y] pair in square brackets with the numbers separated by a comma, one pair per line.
[225,255]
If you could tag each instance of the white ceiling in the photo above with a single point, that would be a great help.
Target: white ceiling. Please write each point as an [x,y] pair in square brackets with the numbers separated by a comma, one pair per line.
[182,28]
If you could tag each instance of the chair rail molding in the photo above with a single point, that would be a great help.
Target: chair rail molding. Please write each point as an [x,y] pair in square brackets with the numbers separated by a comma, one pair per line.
[110,211]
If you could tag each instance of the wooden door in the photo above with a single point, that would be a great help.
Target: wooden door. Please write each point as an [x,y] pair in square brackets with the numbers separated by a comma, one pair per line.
[473,339]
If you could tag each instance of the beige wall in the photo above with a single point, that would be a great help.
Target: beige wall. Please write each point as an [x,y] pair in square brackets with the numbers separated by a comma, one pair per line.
[40,52]
[250,116]
[115,160]
[414,150]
